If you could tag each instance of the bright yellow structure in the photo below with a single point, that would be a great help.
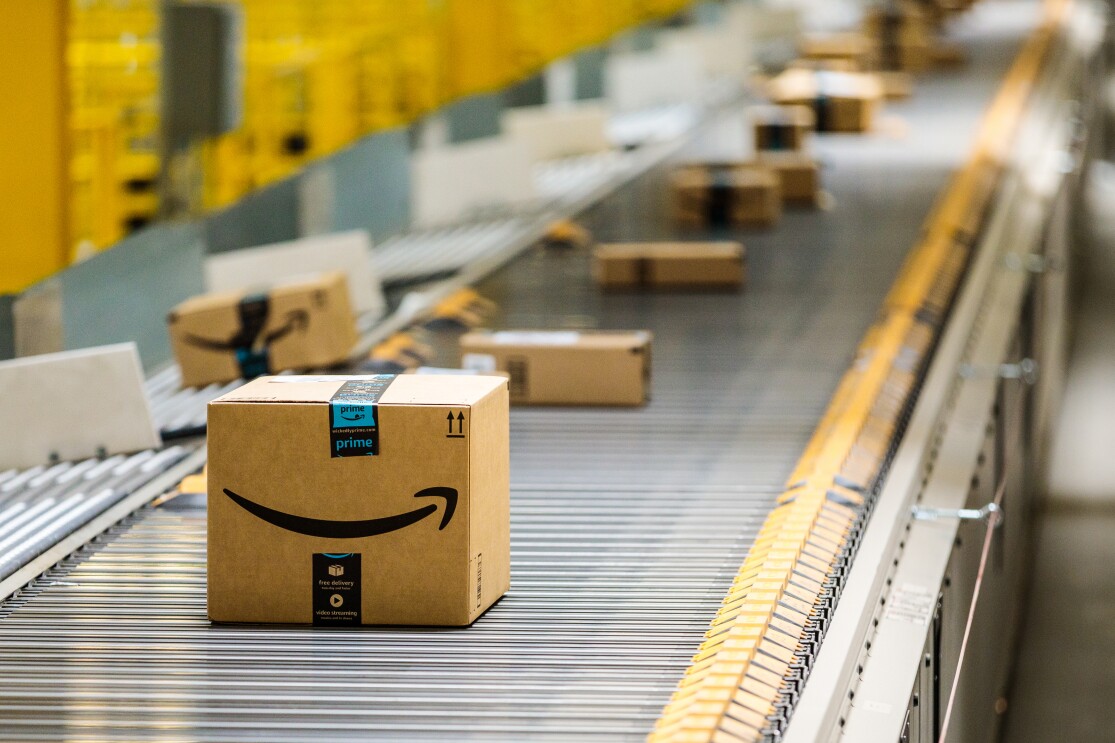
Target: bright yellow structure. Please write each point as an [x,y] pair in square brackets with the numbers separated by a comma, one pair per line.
[34,142]
[81,84]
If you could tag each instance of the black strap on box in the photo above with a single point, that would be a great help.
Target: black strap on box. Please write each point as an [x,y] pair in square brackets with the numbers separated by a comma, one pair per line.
[822,109]
[720,194]
[892,25]
[253,359]
[776,135]
[249,344]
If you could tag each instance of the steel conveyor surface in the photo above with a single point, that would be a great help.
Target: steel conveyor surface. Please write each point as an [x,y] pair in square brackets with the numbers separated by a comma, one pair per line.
[627,525]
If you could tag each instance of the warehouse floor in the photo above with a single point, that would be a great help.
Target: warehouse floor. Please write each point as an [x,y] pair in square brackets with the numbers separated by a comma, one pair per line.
[1065,678]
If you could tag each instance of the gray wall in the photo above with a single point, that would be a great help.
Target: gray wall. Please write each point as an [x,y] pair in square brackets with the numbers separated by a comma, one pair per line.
[125,293]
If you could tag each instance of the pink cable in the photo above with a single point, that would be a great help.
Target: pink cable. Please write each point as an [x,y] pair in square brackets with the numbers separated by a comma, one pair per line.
[992,523]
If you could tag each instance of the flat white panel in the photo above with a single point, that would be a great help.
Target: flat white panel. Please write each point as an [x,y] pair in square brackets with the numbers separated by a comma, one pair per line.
[317,200]
[349,252]
[561,81]
[761,23]
[451,184]
[73,405]
[551,132]
[720,51]
[728,138]
[658,78]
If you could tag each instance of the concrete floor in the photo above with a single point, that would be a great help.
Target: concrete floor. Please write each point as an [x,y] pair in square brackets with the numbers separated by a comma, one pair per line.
[1064,688]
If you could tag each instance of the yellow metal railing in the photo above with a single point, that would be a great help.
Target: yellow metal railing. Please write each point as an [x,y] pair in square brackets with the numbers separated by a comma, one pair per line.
[737,674]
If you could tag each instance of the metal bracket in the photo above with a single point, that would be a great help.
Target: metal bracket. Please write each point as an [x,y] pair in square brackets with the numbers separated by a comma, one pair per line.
[921,513]
[1032,262]
[1025,370]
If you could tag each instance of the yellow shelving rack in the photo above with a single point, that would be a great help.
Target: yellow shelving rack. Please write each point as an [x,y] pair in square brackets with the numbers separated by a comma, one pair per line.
[318,75]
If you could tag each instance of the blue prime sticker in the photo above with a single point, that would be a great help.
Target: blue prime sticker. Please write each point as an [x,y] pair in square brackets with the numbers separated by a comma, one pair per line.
[354,418]
[349,414]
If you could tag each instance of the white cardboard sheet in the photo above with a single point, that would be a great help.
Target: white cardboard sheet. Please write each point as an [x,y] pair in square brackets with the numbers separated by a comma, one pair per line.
[640,80]
[73,405]
[722,51]
[348,252]
[452,184]
[555,131]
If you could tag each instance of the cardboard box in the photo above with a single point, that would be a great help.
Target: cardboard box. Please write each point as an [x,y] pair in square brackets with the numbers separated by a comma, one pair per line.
[223,337]
[798,173]
[944,55]
[841,101]
[897,86]
[902,36]
[782,127]
[359,500]
[900,23]
[739,194]
[565,367]
[852,48]
[907,57]
[670,265]
[837,65]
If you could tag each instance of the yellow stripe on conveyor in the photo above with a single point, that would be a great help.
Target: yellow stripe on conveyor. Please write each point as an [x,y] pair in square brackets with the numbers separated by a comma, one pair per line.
[738,673]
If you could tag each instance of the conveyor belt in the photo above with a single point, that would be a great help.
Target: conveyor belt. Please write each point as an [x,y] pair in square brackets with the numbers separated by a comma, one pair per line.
[627,525]
[40,505]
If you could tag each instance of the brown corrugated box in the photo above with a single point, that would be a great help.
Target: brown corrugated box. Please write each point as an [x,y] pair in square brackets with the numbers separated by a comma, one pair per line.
[841,101]
[903,23]
[853,48]
[781,127]
[565,367]
[947,56]
[670,265]
[902,36]
[897,86]
[837,65]
[741,194]
[798,173]
[359,500]
[228,336]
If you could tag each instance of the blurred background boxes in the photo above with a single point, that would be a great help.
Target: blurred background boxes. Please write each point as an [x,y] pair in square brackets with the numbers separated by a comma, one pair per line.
[798,174]
[670,265]
[565,367]
[738,194]
[781,127]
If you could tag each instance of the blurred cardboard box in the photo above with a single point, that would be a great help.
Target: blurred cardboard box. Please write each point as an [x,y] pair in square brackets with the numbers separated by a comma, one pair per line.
[715,194]
[798,174]
[897,86]
[670,265]
[781,127]
[903,36]
[565,367]
[836,65]
[852,48]
[947,56]
[841,101]
[227,336]
[341,501]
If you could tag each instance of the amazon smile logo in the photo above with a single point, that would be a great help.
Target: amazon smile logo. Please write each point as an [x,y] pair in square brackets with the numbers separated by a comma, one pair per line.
[352,529]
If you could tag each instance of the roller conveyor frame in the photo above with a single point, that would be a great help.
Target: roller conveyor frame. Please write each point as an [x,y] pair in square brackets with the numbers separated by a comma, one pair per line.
[466,251]
[813,713]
